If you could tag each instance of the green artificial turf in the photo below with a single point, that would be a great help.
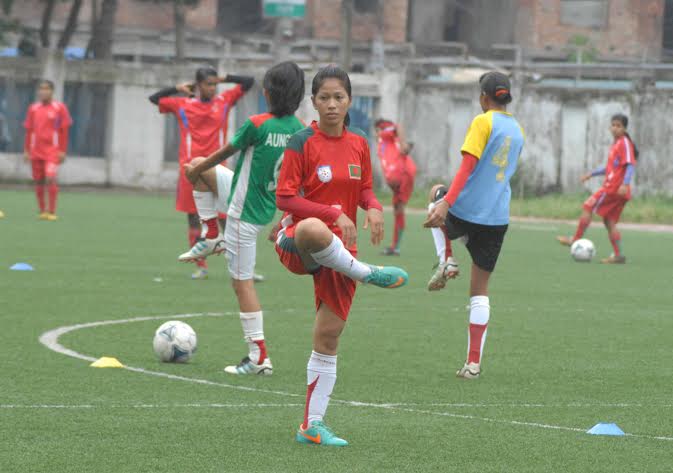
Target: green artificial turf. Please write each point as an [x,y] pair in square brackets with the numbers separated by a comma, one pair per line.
[569,345]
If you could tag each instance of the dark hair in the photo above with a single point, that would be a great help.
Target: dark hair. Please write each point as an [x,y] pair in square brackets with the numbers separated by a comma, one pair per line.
[203,73]
[496,86]
[46,82]
[333,72]
[624,120]
[284,83]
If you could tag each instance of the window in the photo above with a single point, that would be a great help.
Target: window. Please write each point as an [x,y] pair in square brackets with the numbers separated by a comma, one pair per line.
[366,6]
[585,13]
[88,105]
[15,97]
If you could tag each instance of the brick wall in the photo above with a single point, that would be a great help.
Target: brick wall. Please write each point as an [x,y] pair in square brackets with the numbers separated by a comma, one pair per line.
[325,19]
[633,28]
[130,13]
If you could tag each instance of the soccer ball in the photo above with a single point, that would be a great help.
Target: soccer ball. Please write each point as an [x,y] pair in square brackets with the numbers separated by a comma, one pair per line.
[582,250]
[174,342]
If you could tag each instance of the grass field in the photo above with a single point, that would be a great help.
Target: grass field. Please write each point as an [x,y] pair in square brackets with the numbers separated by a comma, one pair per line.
[569,345]
[642,209]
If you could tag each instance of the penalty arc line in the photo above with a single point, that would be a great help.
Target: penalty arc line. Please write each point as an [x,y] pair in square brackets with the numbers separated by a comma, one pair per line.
[50,340]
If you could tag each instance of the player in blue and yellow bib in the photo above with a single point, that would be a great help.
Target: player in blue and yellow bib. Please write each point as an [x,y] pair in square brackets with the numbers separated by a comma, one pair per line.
[475,208]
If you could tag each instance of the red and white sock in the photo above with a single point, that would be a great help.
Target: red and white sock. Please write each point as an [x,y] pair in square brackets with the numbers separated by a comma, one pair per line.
[400,224]
[321,377]
[442,243]
[253,331]
[582,226]
[616,241]
[479,315]
[39,193]
[205,206]
[338,258]
[52,189]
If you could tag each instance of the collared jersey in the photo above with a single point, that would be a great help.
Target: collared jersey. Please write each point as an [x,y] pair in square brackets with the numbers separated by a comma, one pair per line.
[329,170]
[621,154]
[262,140]
[496,139]
[203,125]
[46,130]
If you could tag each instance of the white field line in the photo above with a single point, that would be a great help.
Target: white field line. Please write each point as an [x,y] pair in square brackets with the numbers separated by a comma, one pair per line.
[50,340]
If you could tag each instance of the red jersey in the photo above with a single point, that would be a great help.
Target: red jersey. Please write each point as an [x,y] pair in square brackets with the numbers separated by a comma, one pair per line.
[203,125]
[621,154]
[47,127]
[328,170]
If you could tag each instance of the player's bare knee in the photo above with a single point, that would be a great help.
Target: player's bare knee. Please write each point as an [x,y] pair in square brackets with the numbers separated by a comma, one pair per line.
[311,233]
[433,192]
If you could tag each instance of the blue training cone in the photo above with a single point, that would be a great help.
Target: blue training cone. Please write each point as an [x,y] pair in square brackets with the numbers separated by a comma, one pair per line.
[605,429]
[21,267]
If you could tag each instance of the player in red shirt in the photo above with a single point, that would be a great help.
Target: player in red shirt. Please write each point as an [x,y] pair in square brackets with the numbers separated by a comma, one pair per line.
[47,124]
[326,175]
[399,171]
[203,116]
[609,201]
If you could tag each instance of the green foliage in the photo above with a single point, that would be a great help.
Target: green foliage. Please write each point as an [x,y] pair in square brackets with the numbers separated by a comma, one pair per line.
[588,53]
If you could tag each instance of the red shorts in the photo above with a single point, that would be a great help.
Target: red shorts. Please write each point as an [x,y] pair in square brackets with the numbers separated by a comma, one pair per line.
[43,169]
[402,187]
[330,287]
[184,199]
[608,206]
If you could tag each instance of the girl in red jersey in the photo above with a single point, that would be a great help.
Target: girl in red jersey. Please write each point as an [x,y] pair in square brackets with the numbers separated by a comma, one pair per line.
[326,174]
[47,124]
[399,171]
[203,116]
[609,201]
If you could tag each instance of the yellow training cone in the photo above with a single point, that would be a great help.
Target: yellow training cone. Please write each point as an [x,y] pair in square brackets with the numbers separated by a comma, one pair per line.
[107,362]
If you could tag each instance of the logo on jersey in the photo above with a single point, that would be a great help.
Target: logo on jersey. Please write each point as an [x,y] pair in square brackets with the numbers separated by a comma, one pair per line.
[355,171]
[325,173]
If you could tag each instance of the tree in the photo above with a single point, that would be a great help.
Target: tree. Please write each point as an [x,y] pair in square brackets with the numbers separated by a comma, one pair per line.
[7,24]
[100,45]
[180,23]
[68,31]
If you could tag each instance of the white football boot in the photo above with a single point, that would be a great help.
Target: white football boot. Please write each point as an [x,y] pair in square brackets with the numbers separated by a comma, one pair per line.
[469,371]
[443,272]
[246,366]
[203,248]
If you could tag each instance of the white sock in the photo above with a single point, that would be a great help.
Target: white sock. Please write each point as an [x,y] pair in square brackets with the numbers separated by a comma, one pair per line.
[205,204]
[480,313]
[253,331]
[440,240]
[320,376]
[338,258]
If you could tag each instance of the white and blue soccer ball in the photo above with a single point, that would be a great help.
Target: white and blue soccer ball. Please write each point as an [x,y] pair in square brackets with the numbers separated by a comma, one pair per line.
[583,250]
[174,342]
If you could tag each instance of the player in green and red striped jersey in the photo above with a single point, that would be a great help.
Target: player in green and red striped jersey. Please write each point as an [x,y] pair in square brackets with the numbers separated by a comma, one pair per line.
[248,196]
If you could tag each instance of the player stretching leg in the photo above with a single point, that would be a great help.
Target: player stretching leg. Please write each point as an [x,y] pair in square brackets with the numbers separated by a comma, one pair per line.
[399,171]
[447,267]
[47,124]
[203,117]
[326,176]
[609,201]
[476,206]
[251,197]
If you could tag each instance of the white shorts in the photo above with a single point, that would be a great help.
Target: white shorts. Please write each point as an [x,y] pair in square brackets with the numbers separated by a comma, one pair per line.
[240,239]
[224,177]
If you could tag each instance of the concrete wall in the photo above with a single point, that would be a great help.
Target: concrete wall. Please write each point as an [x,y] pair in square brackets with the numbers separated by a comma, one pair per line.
[567,134]
[566,129]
